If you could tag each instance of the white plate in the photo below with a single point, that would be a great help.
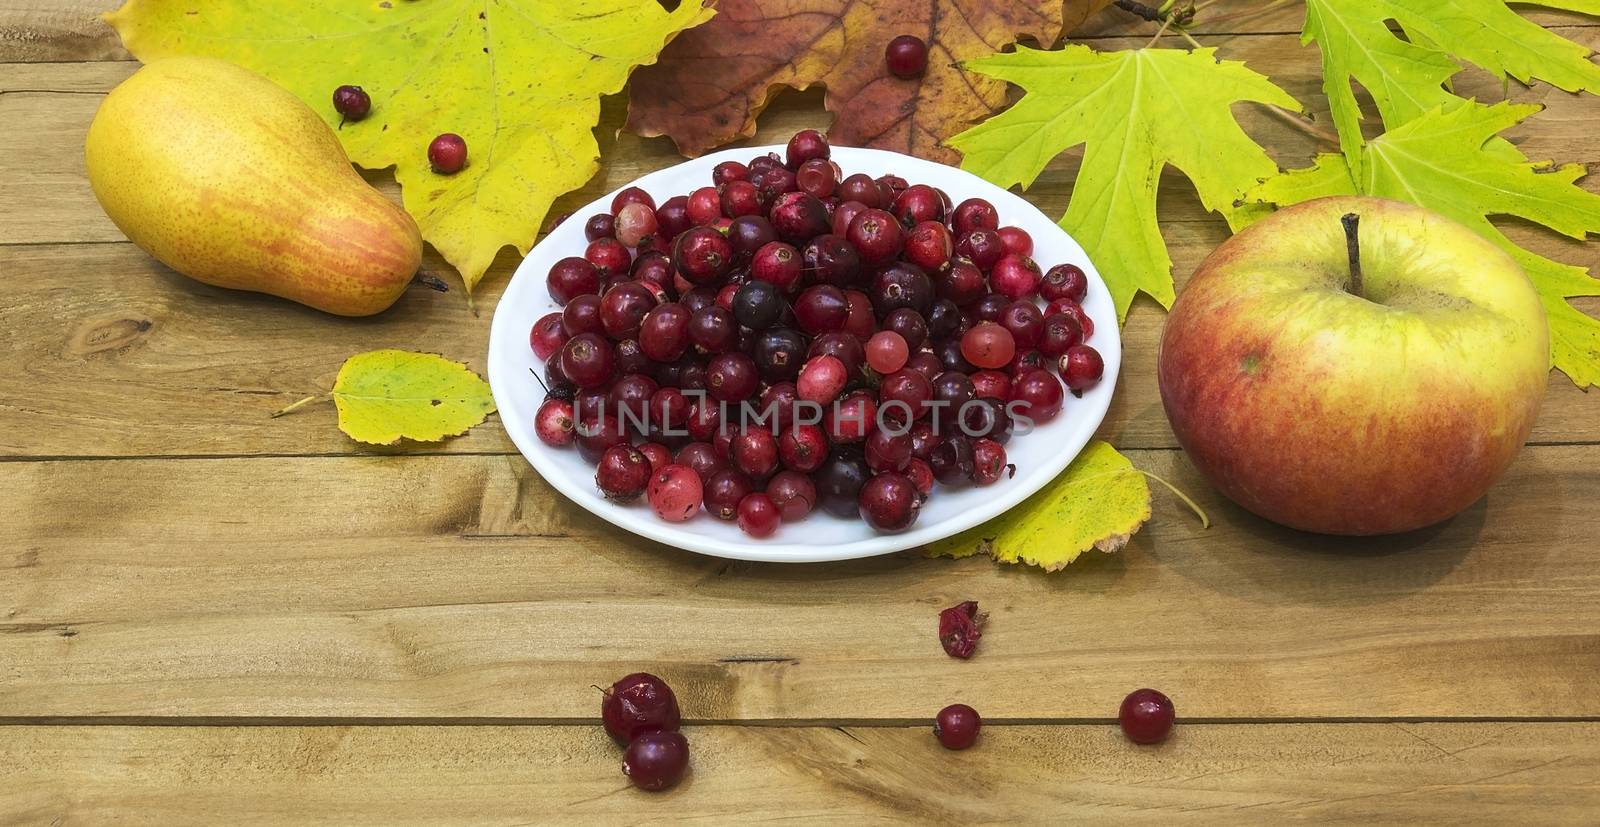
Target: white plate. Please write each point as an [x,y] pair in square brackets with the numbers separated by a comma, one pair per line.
[1039,456]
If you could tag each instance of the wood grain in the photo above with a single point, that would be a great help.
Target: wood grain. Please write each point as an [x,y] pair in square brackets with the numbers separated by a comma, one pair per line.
[1469,773]
[125,357]
[463,587]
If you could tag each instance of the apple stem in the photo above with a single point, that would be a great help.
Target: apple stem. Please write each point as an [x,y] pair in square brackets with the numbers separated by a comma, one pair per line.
[1352,244]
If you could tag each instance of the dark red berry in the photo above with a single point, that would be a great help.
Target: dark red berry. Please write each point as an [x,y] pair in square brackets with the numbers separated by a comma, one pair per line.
[1081,368]
[889,502]
[637,704]
[758,515]
[806,145]
[1146,716]
[447,153]
[351,102]
[957,726]
[960,628]
[793,493]
[656,761]
[906,56]
[703,255]
[623,473]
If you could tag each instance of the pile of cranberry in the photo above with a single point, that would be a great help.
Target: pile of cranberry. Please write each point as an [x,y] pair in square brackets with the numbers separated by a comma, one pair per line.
[697,334]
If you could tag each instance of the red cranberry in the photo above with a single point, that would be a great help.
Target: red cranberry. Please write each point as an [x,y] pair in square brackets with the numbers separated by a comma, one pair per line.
[916,204]
[777,263]
[547,335]
[740,198]
[637,704]
[553,422]
[623,309]
[631,195]
[729,171]
[674,492]
[876,236]
[1039,394]
[921,475]
[982,247]
[974,214]
[1064,281]
[748,234]
[1081,368]
[793,493]
[723,493]
[1146,716]
[609,256]
[806,145]
[888,451]
[988,345]
[991,384]
[351,102]
[664,332]
[758,515]
[889,502]
[963,284]
[703,255]
[600,225]
[928,246]
[571,277]
[1015,277]
[447,153]
[957,726]
[862,188]
[817,177]
[623,473]
[1059,333]
[731,377]
[672,217]
[656,760]
[850,419]
[960,628]
[989,462]
[906,56]
[831,260]
[803,447]
[1016,240]
[821,308]
[798,216]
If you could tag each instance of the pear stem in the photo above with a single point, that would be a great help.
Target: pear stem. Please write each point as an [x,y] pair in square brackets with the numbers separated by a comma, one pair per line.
[1352,244]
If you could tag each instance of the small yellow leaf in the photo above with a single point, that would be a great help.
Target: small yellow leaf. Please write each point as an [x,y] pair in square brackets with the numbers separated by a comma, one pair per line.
[386,395]
[1100,501]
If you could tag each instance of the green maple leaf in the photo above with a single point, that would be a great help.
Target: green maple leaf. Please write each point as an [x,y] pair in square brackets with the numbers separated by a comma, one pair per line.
[520,80]
[1452,162]
[1409,78]
[1135,112]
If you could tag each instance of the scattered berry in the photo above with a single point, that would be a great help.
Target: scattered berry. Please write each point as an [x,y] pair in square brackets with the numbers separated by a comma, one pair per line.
[957,726]
[638,704]
[960,627]
[351,102]
[907,56]
[1146,716]
[656,761]
[447,153]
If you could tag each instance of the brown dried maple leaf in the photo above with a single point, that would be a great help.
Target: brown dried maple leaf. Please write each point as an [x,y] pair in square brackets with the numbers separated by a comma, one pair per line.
[712,81]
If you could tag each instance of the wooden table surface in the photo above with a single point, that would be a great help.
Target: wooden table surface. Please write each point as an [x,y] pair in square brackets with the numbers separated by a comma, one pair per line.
[211,616]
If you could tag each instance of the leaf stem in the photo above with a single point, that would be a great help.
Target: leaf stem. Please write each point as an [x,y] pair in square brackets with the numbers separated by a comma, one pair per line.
[1352,246]
[1205,521]
[1295,120]
[302,403]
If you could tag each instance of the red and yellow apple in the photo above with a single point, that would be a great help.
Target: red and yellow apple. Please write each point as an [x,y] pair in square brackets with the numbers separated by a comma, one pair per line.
[1368,379]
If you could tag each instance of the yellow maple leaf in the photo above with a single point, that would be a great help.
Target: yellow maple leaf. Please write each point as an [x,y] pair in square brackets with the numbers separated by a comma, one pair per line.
[1098,502]
[520,80]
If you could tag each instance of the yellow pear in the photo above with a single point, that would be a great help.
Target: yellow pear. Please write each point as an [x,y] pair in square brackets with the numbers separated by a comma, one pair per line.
[231,180]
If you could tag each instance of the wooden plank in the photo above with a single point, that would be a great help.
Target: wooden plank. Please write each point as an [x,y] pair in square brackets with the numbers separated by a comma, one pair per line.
[71,30]
[461,586]
[1463,773]
[113,355]
[91,378]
